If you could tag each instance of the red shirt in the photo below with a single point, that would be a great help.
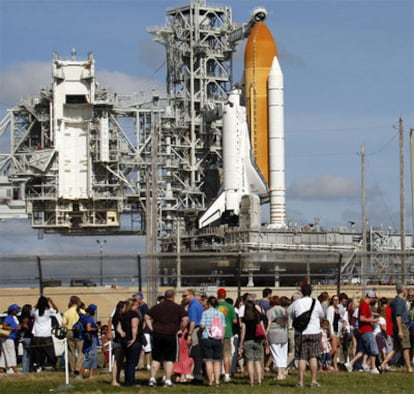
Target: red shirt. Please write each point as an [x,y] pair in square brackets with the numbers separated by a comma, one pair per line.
[364,310]
[388,319]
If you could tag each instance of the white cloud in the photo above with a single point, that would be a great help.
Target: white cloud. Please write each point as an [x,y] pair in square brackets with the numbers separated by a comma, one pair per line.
[25,80]
[324,187]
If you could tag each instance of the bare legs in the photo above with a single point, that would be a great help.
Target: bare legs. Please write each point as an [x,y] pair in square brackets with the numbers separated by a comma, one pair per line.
[313,365]
[252,368]
[213,369]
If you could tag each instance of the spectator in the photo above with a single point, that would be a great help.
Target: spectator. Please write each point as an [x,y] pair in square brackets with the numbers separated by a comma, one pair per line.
[366,330]
[353,312]
[230,315]
[325,360]
[195,311]
[106,345]
[277,335]
[345,326]
[357,345]
[380,332]
[400,322]
[146,345]
[8,359]
[389,338]
[165,320]
[333,316]
[130,329]
[117,349]
[183,367]
[90,337]
[249,344]
[308,343]
[264,302]
[212,348]
[237,361]
[70,317]
[42,342]
[26,335]
[323,298]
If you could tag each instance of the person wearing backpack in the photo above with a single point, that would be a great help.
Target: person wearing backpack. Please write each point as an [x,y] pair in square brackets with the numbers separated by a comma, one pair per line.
[90,336]
[70,317]
[308,341]
[213,325]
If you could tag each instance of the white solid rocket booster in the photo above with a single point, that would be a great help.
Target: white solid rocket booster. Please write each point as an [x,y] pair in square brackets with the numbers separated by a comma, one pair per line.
[276,146]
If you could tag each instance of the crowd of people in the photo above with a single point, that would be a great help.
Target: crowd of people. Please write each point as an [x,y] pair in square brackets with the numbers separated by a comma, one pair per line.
[202,339]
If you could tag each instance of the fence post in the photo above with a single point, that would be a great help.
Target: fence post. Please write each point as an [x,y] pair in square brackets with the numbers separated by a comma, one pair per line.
[66,361]
[239,275]
[139,272]
[39,268]
[338,283]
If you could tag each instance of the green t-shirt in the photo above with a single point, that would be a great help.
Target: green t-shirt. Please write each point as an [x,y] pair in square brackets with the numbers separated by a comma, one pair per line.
[229,314]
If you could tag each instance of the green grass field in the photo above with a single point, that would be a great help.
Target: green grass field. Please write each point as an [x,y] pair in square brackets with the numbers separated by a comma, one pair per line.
[332,383]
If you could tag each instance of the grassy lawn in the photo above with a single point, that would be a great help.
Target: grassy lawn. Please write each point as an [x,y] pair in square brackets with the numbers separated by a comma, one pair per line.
[332,383]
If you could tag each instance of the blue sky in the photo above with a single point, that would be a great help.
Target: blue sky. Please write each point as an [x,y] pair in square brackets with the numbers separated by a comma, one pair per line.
[348,70]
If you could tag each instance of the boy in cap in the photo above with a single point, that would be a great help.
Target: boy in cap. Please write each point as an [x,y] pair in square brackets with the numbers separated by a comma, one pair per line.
[90,336]
[8,355]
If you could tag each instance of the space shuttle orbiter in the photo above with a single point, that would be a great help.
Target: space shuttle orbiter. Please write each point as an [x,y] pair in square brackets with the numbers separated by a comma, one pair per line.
[254,134]
[240,175]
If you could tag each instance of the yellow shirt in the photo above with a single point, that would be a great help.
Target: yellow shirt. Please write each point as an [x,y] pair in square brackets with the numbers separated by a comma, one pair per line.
[70,317]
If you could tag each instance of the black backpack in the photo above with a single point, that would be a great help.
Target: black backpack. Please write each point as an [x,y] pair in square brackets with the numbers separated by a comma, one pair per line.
[301,322]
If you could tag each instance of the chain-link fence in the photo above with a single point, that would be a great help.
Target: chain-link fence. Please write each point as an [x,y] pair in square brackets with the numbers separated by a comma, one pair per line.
[272,269]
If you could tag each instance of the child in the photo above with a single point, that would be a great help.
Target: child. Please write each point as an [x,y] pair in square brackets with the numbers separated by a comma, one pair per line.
[106,344]
[325,359]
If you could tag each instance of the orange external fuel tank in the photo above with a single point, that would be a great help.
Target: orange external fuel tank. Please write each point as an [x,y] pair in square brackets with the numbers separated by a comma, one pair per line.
[258,57]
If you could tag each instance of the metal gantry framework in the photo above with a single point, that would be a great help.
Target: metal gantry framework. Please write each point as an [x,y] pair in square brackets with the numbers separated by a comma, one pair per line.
[198,68]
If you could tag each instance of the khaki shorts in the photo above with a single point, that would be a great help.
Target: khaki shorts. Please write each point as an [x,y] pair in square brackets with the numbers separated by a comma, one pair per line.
[404,343]
[227,348]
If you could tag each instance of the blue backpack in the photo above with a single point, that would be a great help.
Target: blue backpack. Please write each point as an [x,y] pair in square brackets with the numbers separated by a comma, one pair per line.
[78,328]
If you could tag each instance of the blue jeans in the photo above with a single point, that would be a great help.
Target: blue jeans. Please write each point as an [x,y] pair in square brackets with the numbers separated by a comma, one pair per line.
[27,355]
[132,357]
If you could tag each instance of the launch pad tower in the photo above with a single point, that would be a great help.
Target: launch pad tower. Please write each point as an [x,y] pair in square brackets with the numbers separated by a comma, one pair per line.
[199,50]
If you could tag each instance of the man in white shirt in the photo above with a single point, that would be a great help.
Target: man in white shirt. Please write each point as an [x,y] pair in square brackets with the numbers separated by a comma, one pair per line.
[308,342]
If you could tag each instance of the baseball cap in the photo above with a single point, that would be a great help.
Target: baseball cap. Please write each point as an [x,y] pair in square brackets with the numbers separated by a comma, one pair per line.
[138,294]
[221,292]
[371,294]
[14,307]
[92,307]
